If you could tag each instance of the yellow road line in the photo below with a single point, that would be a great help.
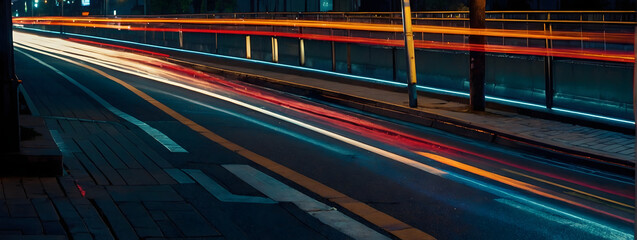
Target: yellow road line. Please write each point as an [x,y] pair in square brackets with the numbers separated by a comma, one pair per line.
[380,219]
[570,189]
[631,211]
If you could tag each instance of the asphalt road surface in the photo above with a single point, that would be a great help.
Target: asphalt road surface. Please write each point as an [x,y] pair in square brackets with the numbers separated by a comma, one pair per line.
[447,186]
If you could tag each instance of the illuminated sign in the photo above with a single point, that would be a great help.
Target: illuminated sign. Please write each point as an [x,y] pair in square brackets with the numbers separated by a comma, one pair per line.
[326,5]
[86,2]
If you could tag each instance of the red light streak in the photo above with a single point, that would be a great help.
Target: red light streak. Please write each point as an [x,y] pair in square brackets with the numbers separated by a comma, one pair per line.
[517,184]
[384,134]
[118,46]
[534,34]
[610,56]
[371,130]
[80,189]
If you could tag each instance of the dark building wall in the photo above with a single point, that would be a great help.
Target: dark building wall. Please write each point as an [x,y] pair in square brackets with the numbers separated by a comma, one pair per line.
[296,5]
[345,5]
[126,7]
[429,5]
[51,8]
[561,4]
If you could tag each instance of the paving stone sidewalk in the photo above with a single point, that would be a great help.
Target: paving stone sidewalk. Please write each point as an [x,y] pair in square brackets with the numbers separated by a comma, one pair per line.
[117,187]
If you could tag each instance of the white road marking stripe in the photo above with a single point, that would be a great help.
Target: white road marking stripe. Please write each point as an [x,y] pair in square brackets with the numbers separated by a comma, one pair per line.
[220,192]
[57,138]
[156,134]
[602,232]
[278,191]
[298,136]
[179,176]
[29,102]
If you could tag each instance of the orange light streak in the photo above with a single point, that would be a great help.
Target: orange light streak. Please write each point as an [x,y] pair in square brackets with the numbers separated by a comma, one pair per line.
[118,46]
[532,34]
[570,189]
[610,56]
[515,183]
[74,24]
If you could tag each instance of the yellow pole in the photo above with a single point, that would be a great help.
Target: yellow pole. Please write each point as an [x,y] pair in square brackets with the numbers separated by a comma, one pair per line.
[248,48]
[302,52]
[411,55]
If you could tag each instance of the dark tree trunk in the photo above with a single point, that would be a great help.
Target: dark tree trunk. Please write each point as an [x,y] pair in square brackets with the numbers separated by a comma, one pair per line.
[9,124]
[477,56]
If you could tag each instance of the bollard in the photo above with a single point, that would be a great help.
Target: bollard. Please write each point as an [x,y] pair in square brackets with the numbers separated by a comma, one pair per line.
[275,50]
[301,52]
[248,48]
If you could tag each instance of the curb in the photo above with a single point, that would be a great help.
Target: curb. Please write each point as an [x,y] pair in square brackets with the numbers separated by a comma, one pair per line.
[38,156]
[443,123]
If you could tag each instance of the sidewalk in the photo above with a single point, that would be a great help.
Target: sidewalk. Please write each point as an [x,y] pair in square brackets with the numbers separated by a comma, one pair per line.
[597,148]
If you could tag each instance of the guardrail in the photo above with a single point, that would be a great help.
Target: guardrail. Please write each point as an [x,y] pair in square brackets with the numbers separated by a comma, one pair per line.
[603,22]
[596,17]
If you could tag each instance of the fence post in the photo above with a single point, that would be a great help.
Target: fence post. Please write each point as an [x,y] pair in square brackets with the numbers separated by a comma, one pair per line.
[61,15]
[349,58]
[333,51]
[301,52]
[333,57]
[548,69]
[248,48]
[181,37]
[275,50]
[635,94]
[393,64]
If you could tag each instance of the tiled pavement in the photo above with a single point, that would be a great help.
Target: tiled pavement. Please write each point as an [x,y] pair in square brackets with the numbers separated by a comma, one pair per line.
[600,142]
[116,187]
[585,139]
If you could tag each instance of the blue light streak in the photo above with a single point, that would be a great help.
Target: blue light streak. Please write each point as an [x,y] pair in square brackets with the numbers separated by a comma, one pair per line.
[559,111]
[333,148]
[594,116]
[515,102]
[585,224]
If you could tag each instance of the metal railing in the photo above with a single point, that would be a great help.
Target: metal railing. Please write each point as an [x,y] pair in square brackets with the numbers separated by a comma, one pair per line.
[597,17]
[604,22]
